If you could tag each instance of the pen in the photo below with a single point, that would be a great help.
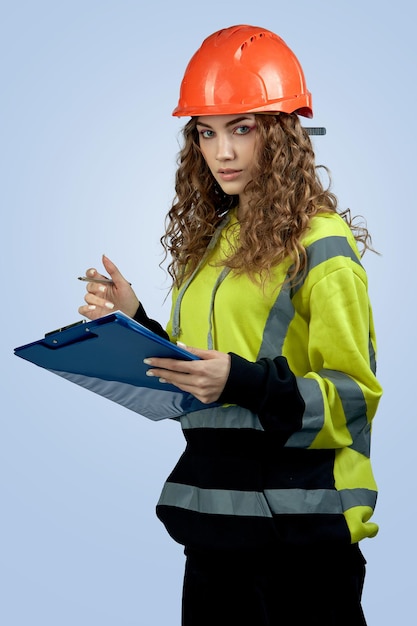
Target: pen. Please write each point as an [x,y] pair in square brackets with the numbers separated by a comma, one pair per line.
[103,281]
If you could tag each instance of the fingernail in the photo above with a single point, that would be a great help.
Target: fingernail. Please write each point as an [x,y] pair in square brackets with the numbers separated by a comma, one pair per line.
[149,373]
[147,361]
[163,380]
[109,305]
[102,288]
[91,307]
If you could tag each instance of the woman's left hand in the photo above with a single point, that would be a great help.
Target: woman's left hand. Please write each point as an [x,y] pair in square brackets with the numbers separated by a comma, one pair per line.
[205,378]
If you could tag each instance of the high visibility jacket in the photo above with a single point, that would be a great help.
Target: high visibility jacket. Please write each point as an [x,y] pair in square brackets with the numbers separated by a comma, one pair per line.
[285,456]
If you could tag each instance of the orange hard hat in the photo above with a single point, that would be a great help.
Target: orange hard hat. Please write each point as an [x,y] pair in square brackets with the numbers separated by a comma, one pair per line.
[243,69]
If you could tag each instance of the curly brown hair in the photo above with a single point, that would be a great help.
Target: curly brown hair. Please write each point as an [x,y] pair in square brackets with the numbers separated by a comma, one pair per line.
[285,191]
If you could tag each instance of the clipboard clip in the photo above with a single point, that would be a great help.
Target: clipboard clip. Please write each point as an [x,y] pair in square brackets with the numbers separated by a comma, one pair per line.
[59,330]
[53,339]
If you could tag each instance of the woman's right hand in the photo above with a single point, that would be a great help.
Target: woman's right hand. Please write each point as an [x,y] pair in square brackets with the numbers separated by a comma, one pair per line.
[101,299]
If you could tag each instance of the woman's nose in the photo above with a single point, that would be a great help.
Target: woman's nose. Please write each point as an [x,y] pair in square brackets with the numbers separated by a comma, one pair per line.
[224,148]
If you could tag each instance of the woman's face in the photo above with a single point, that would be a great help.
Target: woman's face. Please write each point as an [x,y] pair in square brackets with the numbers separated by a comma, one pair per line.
[227,143]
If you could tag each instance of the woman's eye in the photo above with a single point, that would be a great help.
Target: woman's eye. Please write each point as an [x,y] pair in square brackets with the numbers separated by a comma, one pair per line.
[243,130]
[206,134]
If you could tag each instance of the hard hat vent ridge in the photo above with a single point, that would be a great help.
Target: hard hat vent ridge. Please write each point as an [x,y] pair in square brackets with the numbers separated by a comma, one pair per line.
[253,38]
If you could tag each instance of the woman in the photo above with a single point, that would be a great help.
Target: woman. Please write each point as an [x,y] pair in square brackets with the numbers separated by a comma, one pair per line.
[274,490]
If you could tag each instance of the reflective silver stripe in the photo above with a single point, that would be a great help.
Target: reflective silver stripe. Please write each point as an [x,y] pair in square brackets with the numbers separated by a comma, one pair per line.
[215,501]
[313,417]
[358,497]
[372,357]
[328,501]
[325,249]
[258,504]
[155,404]
[354,407]
[221,417]
[302,501]
[276,327]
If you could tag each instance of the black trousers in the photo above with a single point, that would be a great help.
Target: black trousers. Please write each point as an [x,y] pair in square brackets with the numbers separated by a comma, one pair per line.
[274,587]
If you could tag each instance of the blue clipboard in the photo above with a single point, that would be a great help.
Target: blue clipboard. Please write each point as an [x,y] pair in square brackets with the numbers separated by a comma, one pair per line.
[106,357]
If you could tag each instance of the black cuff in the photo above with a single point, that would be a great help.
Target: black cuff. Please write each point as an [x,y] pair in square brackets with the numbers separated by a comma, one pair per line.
[141,317]
[267,388]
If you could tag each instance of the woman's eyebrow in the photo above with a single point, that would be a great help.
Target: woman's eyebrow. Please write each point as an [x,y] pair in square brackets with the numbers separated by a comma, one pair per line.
[231,123]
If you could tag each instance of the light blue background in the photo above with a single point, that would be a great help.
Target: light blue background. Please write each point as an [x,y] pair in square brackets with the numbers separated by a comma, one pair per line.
[88,149]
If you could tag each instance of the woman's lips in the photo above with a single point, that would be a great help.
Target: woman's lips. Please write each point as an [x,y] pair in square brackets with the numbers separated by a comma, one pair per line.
[228,175]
